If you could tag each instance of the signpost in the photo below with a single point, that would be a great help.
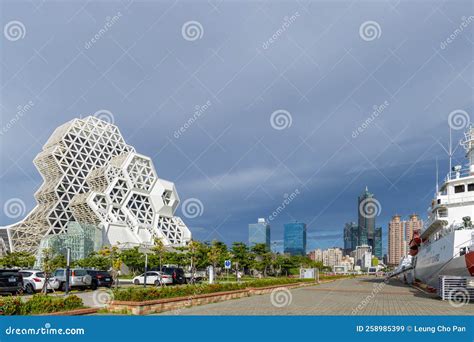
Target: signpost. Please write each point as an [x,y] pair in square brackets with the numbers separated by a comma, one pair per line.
[227,265]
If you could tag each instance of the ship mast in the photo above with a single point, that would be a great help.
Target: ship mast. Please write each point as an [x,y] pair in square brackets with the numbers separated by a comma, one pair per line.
[468,144]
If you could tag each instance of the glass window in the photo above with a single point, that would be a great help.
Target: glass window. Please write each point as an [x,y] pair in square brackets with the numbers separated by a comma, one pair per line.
[79,273]
[470,187]
[26,274]
[459,188]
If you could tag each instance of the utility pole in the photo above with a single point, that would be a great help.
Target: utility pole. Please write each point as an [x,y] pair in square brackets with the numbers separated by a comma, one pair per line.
[68,268]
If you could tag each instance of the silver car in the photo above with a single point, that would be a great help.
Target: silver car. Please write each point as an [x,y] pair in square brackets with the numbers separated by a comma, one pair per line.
[78,277]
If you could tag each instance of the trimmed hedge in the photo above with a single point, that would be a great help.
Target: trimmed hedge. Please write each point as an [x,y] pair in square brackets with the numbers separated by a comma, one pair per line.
[152,293]
[38,304]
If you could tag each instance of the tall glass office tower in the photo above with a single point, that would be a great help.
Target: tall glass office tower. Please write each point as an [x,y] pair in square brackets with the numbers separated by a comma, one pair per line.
[259,233]
[294,242]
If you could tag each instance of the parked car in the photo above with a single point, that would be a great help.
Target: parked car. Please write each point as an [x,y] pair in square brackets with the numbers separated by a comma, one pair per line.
[11,281]
[153,278]
[100,278]
[34,281]
[176,273]
[198,276]
[78,277]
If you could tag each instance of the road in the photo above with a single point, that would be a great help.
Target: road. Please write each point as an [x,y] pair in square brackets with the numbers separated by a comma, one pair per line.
[359,296]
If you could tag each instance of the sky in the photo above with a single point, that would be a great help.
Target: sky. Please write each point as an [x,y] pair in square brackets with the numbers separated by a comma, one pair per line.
[248,106]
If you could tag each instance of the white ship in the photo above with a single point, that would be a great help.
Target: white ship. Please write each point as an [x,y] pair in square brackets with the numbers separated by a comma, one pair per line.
[446,244]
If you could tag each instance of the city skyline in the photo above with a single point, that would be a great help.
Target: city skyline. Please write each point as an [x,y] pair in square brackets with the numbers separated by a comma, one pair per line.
[358,112]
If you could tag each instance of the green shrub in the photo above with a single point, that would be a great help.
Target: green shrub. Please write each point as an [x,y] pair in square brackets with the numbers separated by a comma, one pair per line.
[10,305]
[39,304]
[153,293]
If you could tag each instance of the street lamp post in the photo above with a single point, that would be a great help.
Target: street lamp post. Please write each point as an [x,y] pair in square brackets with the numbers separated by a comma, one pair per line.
[68,268]
[146,269]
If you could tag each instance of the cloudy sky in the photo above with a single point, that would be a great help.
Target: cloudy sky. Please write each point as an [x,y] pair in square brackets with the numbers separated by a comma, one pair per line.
[312,98]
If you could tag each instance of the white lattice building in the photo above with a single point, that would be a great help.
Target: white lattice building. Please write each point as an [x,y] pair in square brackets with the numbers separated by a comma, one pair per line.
[92,176]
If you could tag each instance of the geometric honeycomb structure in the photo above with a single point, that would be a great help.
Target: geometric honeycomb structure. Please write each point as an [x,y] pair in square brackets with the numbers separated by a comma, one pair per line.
[91,176]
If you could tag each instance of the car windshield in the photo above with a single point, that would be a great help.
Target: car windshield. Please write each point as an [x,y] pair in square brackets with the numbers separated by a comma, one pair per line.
[7,273]
[26,274]
[79,272]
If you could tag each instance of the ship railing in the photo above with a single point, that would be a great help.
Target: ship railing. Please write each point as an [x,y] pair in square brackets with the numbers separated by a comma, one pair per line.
[455,200]
[464,172]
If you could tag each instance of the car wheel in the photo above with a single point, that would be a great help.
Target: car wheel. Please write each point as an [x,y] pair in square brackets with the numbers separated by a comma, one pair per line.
[94,285]
[136,282]
[157,283]
[62,286]
[29,289]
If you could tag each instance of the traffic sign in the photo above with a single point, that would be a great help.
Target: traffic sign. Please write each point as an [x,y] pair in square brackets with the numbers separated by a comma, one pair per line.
[227,264]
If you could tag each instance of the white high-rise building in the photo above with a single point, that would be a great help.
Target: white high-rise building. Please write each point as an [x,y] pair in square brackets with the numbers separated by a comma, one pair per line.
[92,176]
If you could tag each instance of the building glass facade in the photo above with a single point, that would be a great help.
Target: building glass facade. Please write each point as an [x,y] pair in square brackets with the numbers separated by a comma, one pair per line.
[259,233]
[294,242]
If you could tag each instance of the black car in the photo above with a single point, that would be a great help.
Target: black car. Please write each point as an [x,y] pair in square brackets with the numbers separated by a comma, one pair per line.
[11,281]
[176,273]
[100,278]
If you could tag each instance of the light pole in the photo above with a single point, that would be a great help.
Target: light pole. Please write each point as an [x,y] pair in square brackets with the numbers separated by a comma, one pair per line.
[146,269]
[68,268]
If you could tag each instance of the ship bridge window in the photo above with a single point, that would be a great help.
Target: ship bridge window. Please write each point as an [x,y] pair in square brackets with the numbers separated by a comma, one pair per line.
[470,187]
[459,188]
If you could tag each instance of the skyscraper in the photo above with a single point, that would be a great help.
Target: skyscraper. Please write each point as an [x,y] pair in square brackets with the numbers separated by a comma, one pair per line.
[351,237]
[400,232]
[378,251]
[396,241]
[294,242]
[259,233]
[413,224]
[369,209]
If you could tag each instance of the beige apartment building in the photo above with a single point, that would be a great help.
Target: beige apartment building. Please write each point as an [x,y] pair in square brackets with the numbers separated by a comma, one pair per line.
[400,232]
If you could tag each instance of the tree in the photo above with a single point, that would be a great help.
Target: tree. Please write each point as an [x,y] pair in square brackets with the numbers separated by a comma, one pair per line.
[262,258]
[114,254]
[217,253]
[18,259]
[94,260]
[159,250]
[241,255]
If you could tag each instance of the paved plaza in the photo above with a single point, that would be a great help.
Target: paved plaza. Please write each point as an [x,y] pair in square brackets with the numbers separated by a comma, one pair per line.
[357,296]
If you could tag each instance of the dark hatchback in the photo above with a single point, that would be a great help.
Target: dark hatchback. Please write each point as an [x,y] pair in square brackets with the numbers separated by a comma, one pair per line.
[100,278]
[176,273]
[11,281]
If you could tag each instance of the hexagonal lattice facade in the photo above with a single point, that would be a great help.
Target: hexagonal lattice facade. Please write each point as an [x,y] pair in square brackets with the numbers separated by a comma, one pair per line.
[92,176]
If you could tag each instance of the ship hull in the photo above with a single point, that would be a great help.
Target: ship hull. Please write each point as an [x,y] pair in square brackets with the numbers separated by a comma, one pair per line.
[443,257]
